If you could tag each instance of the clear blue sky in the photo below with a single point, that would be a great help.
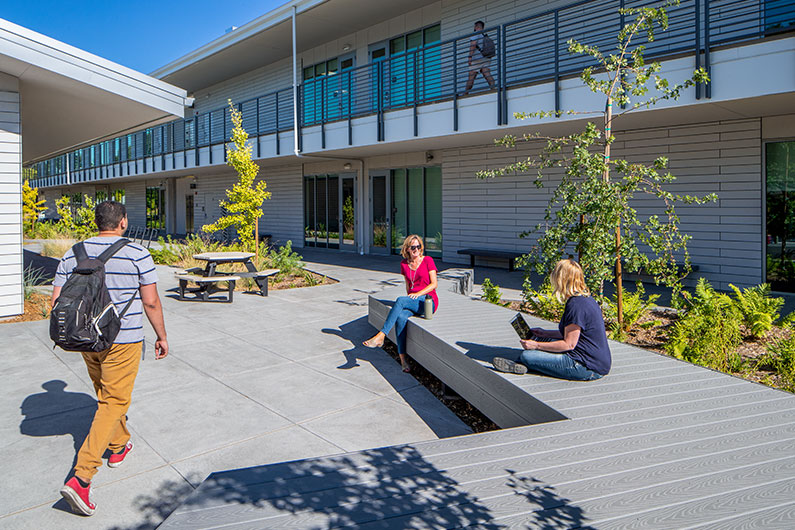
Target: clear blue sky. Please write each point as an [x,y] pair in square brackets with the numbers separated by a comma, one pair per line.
[143,34]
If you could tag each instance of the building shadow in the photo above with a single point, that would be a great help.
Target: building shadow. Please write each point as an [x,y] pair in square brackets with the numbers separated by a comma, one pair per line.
[57,412]
[391,487]
[39,265]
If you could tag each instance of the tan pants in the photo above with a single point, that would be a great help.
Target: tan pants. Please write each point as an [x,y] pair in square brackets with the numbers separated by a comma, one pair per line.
[113,373]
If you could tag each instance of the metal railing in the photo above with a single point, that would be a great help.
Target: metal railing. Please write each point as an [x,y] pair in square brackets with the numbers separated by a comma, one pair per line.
[528,51]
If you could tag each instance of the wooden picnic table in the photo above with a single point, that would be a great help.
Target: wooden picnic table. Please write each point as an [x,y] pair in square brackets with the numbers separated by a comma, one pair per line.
[214,259]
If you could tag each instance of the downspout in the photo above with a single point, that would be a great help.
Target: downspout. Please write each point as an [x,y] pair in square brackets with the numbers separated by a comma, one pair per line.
[298,152]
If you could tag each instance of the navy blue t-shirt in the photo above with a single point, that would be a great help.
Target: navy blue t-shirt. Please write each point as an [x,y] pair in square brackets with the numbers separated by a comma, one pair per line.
[591,350]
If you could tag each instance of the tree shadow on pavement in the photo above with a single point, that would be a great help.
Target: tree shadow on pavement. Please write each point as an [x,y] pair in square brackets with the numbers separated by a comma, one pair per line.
[392,487]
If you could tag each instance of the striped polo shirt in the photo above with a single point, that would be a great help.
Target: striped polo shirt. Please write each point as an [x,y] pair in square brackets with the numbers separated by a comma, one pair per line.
[124,272]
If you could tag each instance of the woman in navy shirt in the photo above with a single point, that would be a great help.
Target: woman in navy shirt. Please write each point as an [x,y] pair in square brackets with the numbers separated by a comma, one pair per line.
[579,351]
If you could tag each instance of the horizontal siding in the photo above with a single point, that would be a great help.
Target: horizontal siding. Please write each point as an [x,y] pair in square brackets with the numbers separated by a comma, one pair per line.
[11,302]
[721,157]
[458,17]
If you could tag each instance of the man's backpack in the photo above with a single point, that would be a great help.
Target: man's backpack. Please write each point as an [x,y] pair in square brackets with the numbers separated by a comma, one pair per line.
[488,50]
[84,318]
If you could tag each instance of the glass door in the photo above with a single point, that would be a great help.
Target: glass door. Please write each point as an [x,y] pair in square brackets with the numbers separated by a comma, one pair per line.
[189,213]
[380,205]
[348,209]
[780,215]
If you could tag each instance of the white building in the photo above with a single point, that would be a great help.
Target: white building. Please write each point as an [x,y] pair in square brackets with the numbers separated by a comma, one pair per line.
[389,140]
[55,97]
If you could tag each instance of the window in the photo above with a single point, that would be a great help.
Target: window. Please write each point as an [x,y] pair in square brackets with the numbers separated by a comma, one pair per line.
[100,196]
[155,208]
[780,214]
[118,196]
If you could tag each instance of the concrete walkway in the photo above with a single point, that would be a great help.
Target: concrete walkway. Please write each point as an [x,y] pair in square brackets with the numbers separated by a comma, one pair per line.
[259,381]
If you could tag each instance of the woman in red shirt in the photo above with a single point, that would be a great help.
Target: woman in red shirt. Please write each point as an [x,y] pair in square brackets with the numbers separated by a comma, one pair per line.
[419,271]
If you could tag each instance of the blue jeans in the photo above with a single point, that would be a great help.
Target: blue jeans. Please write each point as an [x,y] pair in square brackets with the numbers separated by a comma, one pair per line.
[398,316]
[557,365]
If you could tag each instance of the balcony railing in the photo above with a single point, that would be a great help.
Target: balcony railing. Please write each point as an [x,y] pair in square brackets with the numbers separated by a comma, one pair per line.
[530,50]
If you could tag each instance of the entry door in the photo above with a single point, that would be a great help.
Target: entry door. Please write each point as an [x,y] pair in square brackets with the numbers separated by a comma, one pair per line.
[380,214]
[348,209]
[189,213]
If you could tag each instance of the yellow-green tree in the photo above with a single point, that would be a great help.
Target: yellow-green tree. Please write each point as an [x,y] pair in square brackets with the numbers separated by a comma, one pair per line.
[243,206]
[31,205]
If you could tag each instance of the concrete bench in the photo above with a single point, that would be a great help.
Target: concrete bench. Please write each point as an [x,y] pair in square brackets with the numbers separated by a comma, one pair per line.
[510,255]
[205,283]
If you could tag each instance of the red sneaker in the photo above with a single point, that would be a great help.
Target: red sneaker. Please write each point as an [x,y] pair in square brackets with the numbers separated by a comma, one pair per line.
[116,459]
[78,497]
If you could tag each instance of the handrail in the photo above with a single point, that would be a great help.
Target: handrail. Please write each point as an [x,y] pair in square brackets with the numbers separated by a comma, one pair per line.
[530,50]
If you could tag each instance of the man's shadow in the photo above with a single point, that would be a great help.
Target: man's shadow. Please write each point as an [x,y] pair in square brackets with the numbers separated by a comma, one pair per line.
[57,412]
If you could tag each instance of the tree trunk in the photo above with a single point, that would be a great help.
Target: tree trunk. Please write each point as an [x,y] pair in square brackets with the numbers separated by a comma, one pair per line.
[256,239]
[606,176]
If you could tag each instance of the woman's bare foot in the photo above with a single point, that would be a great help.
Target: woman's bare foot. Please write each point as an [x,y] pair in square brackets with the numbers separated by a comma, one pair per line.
[375,341]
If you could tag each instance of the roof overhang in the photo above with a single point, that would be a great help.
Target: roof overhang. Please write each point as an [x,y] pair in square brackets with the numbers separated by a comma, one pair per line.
[268,39]
[69,97]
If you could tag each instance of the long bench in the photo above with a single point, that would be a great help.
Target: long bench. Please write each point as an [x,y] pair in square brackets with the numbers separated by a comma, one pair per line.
[510,255]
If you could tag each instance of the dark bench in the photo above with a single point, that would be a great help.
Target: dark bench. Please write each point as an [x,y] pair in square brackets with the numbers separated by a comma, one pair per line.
[510,255]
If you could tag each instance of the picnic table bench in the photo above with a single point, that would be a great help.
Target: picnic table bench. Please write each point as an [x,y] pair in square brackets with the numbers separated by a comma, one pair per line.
[510,255]
[209,275]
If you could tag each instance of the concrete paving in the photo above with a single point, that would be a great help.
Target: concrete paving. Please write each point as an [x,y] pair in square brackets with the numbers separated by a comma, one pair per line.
[258,381]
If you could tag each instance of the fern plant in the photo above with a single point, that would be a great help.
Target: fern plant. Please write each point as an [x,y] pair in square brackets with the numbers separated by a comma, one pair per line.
[708,333]
[636,306]
[542,302]
[758,309]
[492,293]
[781,357]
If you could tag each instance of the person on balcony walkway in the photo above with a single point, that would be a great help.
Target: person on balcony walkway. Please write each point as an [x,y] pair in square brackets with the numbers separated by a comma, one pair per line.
[481,51]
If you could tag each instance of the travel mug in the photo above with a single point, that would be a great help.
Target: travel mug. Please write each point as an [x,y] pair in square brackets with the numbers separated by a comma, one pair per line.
[428,307]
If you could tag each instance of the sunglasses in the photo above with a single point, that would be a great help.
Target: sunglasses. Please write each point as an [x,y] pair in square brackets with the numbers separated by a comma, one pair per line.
[415,247]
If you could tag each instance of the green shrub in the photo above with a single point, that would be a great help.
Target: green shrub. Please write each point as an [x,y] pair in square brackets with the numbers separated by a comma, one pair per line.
[542,302]
[759,311]
[31,278]
[492,293]
[284,259]
[636,306]
[781,357]
[708,332]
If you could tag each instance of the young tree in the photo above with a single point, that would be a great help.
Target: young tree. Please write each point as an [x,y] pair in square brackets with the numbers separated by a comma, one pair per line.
[590,210]
[244,204]
[31,205]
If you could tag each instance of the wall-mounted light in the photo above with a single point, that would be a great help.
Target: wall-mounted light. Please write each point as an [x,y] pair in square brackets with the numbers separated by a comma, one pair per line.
[346,47]
[347,165]
[428,156]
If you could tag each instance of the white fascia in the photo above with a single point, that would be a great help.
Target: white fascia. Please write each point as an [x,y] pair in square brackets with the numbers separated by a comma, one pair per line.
[49,54]
[258,25]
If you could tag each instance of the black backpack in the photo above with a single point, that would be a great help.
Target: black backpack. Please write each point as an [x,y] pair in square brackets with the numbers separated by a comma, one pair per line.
[488,50]
[84,318]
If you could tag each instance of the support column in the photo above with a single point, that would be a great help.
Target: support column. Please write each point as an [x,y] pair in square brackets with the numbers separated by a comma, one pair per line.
[11,298]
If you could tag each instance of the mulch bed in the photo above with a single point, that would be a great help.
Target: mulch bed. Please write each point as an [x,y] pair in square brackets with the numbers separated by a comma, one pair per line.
[37,307]
[459,406]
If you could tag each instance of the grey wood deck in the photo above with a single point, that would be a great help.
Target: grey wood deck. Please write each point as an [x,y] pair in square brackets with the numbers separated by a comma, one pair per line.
[658,443]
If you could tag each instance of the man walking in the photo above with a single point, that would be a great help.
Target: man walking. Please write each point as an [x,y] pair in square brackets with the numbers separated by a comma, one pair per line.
[129,275]
[481,50]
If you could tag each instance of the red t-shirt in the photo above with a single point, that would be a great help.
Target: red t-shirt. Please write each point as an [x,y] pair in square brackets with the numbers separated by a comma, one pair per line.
[421,278]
